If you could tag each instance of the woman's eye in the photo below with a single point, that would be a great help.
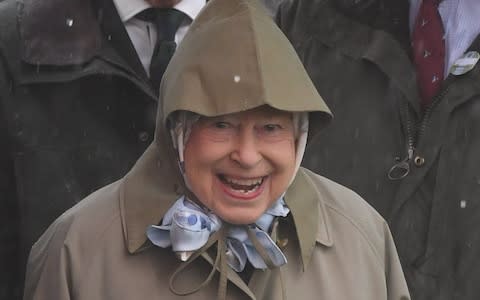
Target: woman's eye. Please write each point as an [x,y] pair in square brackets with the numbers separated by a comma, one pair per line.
[272,127]
[221,125]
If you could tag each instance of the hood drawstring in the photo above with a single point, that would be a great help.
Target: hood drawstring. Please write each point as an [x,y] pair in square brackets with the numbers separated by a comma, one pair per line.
[214,238]
[220,263]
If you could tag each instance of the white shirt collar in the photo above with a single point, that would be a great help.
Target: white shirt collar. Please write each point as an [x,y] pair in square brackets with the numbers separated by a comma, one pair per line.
[191,7]
[127,9]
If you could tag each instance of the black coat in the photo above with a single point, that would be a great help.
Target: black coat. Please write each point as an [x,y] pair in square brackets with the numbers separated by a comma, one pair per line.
[76,111]
[361,67]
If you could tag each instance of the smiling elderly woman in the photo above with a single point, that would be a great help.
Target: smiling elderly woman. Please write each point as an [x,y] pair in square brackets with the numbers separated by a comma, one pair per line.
[218,206]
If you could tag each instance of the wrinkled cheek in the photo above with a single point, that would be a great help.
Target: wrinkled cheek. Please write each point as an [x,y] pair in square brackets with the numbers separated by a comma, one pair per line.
[207,190]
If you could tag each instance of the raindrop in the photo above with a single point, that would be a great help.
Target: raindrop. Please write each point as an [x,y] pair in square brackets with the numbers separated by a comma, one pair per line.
[463,204]
[69,22]
[236,78]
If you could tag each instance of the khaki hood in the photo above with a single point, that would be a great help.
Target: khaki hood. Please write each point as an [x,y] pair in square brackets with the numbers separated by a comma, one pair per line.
[233,58]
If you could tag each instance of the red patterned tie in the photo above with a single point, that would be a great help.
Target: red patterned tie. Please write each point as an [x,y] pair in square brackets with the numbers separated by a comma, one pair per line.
[428,50]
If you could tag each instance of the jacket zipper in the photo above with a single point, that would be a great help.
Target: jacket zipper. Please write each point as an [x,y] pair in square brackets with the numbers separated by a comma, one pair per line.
[401,169]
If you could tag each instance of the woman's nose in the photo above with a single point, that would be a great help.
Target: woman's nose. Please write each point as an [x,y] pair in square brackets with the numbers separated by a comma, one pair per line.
[246,151]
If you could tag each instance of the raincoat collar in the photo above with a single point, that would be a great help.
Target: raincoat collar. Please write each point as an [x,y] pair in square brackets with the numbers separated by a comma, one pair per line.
[146,195]
[79,33]
[143,202]
[309,215]
[57,32]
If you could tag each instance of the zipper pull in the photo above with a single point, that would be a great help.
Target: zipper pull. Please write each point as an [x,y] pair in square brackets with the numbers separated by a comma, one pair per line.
[401,169]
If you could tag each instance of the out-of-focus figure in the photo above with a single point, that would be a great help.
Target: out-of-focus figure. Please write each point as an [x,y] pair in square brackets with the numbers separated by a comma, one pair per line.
[79,83]
[402,79]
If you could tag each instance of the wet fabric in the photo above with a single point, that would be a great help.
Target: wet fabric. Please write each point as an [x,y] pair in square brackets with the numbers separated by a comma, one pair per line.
[75,116]
[367,78]
[99,249]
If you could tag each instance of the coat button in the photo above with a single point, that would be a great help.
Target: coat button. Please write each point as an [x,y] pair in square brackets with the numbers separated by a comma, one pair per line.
[419,161]
[143,136]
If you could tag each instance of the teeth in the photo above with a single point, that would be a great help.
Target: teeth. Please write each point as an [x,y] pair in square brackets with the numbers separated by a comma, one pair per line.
[249,191]
[243,185]
[244,181]
[245,189]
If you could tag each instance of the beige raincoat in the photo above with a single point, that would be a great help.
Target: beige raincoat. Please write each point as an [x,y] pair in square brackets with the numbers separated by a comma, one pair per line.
[337,246]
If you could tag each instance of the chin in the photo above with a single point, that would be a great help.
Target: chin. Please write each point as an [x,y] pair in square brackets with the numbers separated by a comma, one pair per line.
[242,218]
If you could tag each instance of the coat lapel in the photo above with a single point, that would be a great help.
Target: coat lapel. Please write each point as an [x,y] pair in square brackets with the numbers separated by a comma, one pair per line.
[73,36]
[83,39]
[309,215]
[117,36]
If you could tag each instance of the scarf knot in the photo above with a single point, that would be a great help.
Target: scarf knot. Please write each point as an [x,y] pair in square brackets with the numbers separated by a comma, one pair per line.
[186,227]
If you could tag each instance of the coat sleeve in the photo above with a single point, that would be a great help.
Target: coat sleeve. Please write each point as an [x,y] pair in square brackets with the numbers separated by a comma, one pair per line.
[49,271]
[396,285]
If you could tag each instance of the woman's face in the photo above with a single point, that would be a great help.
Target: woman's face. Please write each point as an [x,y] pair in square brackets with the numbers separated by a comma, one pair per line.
[239,164]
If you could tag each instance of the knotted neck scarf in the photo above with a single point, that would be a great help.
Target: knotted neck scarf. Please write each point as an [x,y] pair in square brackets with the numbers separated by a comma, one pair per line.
[190,229]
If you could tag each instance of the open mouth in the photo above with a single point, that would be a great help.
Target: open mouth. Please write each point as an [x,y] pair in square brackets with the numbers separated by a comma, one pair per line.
[246,187]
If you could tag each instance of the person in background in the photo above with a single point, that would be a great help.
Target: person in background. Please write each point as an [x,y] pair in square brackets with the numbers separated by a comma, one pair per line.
[218,206]
[402,78]
[79,85]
